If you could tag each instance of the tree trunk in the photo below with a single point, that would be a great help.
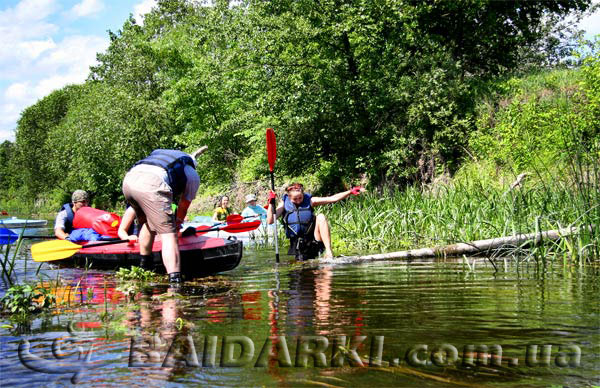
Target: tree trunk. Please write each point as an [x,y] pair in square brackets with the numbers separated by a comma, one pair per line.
[475,247]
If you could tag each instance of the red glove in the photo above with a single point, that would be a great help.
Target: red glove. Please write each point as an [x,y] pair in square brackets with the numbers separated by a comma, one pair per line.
[356,190]
[271,198]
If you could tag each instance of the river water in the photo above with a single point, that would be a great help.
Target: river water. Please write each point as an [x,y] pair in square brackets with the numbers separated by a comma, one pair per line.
[388,323]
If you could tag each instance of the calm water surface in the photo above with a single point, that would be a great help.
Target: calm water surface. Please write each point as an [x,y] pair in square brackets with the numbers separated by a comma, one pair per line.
[404,320]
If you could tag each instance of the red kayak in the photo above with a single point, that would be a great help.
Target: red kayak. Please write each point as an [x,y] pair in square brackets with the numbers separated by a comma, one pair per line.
[200,255]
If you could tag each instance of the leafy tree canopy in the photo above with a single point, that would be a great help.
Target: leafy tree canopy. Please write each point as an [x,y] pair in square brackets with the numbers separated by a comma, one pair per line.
[377,87]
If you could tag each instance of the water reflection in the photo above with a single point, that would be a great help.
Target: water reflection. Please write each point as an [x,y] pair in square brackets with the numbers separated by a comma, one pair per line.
[413,303]
[308,297]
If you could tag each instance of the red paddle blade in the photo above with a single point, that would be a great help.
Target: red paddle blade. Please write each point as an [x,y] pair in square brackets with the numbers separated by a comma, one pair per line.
[204,229]
[234,219]
[233,228]
[271,148]
[241,227]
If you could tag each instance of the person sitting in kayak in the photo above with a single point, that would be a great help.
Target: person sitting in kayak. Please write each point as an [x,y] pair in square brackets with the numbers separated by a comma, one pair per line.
[63,225]
[253,210]
[223,210]
[151,187]
[309,234]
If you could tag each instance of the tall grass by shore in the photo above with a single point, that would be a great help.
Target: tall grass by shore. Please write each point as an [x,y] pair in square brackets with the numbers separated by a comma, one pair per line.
[475,206]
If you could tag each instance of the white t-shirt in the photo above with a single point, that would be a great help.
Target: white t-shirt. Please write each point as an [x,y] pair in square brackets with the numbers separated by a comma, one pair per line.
[60,221]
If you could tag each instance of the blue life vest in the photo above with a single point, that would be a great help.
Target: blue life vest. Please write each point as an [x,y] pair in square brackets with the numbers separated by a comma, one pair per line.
[70,217]
[297,219]
[174,163]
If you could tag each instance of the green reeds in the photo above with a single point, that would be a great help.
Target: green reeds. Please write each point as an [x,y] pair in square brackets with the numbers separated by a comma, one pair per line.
[474,207]
[7,261]
[23,298]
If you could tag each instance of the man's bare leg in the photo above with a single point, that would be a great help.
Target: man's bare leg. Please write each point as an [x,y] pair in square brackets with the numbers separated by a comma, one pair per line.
[170,252]
[146,239]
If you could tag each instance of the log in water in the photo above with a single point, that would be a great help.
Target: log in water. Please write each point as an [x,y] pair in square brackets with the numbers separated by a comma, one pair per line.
[475,247]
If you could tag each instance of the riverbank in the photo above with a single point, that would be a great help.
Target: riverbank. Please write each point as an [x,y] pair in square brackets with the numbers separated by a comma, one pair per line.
[477,204]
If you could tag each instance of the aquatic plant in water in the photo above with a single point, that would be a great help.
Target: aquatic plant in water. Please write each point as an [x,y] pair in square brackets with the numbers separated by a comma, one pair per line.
[135,273]
[23,299]
[8,262]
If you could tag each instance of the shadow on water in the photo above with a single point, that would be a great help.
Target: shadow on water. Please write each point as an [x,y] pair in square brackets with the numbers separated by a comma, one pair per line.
[428,323]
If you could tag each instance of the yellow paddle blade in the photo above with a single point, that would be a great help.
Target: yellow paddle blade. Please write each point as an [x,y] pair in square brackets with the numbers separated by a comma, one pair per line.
[53,250]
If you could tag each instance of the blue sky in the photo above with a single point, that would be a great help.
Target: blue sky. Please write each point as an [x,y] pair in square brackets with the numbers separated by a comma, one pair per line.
[47,44]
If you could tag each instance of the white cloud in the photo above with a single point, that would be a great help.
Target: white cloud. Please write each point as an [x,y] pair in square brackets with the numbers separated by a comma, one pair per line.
[74,51]
[35,59]
[26,21]
[86,8]
[6,135]
[140,9]
[17,91]
[591,25]
[67,63]
[33,48]
[8,120]
[31,10]
[50,84]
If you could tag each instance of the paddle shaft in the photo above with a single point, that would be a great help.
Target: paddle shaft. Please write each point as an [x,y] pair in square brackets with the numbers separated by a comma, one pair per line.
[275,218]
[235,221]
[271,158]
[40,237]
[102,243]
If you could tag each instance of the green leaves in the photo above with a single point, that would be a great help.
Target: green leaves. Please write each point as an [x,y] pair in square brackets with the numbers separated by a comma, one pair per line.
[383,88]
[536,121]
[23,299]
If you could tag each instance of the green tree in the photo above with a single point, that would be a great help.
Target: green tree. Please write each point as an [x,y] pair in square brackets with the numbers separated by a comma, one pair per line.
[37,122]
[9,171]
[384,87]
[103,134]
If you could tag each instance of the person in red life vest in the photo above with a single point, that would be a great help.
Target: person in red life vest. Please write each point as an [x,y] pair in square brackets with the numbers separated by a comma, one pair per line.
[308,233]
[63,225]
[151,187]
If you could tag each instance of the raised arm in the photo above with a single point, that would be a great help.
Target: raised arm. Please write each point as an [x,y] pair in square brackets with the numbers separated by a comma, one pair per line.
[316,201]
[278,211]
